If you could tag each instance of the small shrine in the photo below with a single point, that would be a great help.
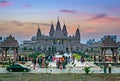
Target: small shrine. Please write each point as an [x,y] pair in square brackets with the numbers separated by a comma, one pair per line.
[109,43]
[10,42]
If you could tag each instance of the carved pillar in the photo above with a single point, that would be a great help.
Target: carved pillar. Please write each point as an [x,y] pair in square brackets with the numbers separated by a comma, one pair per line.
[104,55]
[6,49]
[112,53]
[14,54]
[17,53]
[116,55]
[2,55]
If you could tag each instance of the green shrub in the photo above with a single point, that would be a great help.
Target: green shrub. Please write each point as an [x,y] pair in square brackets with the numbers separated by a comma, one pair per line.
[87,69]
[33,55]
[78,57]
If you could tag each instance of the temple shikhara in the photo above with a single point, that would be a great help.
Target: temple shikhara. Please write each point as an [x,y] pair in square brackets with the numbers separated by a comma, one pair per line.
[58,39]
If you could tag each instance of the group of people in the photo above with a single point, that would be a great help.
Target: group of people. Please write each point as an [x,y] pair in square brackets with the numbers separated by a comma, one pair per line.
[60,63]
[42,61]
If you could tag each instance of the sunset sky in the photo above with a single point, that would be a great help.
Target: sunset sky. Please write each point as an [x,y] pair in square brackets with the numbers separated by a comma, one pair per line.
[96,18]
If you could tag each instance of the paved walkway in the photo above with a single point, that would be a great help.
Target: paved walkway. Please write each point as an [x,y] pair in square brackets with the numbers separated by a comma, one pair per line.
[69,68]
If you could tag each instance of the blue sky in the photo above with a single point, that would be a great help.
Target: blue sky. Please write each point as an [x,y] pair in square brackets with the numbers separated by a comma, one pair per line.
[95,17]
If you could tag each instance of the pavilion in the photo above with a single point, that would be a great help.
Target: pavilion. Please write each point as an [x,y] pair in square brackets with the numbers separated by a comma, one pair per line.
[109,44]
[9,43]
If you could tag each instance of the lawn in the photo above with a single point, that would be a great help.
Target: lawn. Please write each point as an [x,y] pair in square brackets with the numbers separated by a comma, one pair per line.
[58,77]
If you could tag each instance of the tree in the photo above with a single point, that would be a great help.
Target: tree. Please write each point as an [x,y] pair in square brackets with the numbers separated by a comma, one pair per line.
[24,49]
[30,49]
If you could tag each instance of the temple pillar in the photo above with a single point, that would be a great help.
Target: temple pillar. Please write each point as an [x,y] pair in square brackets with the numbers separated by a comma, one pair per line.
[113,53]
[2,55]
[14,54]
[17,53]
[104,55]
[6,49]
[116,55]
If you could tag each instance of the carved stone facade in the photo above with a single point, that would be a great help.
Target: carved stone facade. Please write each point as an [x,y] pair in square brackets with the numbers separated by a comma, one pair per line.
[58,40]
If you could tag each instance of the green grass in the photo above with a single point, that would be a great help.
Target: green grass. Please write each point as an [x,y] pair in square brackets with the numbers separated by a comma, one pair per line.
[58,77]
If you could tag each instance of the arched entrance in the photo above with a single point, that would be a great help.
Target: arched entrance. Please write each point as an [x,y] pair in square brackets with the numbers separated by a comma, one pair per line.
[10,42]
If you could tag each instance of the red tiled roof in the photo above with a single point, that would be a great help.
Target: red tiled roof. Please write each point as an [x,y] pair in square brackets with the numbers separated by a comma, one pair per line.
[109,42]
[10,42]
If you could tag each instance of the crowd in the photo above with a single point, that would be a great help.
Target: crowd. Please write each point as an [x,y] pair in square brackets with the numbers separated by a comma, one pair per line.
[61,62]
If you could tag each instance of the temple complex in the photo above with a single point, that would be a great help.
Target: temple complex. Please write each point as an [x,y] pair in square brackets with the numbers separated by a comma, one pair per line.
[58,39]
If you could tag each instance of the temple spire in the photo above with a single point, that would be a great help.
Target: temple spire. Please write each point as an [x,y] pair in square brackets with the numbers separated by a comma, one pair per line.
[51,29]
[58,28]
[38,32]
[64,30]
[77,34]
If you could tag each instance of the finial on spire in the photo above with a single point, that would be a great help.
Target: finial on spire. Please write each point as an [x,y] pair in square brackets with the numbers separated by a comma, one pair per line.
[58,17]
[10,35]
[78,26]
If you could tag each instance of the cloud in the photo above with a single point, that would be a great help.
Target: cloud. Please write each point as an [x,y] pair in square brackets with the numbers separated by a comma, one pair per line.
[68,11]
[103,18]
[71,30]
[98,16]
[26,6]
[115,10]
[5,3]
[2,29]
[89,30]
[22,29]
[45,24]
[17,23]
[37,12]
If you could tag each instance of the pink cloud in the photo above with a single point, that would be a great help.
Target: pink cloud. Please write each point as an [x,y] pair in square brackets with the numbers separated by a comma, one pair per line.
[71,30]
[5,3]
[115,10]
[97,16]
[102,18]
[89,30]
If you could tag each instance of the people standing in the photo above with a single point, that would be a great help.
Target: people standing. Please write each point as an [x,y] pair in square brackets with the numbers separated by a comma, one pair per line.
[34,63]
[82,59]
